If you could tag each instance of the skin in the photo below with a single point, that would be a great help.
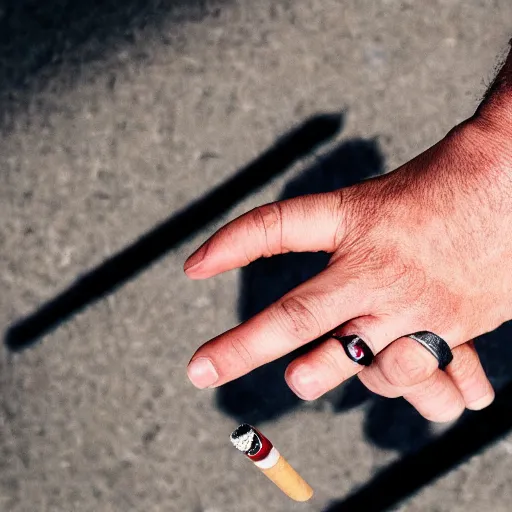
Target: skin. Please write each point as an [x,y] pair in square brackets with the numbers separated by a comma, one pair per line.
[426,247]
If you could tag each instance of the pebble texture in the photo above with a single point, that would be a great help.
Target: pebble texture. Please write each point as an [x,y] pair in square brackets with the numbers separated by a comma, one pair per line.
[115,115]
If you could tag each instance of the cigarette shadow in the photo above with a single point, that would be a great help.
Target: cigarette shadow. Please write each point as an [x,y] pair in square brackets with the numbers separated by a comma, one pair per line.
[128,263]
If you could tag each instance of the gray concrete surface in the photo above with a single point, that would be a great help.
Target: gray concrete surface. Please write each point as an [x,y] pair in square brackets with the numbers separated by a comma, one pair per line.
[115,117]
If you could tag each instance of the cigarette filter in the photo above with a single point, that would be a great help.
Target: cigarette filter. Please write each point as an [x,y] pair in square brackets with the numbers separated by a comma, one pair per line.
[261,451]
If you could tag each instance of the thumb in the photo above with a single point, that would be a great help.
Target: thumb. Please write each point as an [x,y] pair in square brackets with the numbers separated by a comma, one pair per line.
[305,224]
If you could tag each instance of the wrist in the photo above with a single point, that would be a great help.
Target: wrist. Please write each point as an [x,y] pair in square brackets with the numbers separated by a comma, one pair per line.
[495,112]
[485,151]
[475,161]
[487,135]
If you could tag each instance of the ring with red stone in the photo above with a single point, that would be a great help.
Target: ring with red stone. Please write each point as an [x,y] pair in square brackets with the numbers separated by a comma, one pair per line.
[356,349]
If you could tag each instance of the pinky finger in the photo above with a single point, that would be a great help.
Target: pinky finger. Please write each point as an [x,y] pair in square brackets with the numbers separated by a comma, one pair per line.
[468,375]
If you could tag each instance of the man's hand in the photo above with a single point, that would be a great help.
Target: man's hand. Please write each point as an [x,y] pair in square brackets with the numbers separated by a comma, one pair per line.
[425,248]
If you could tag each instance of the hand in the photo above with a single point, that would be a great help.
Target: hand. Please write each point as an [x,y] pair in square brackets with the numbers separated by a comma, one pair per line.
[426,247]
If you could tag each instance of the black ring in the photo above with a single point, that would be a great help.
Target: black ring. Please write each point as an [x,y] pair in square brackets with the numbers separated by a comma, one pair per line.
[435,345]
[356,349]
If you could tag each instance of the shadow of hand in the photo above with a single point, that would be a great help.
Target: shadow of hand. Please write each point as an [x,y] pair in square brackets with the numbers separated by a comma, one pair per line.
[263,394]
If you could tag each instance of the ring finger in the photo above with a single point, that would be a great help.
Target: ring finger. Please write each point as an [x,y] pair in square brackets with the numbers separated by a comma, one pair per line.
[404,368]
[407,369]
[328,365]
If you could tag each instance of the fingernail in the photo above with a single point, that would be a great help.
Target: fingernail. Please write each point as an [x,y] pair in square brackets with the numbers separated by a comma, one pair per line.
[356,349]
[202,373]
[195,259]
[304,382]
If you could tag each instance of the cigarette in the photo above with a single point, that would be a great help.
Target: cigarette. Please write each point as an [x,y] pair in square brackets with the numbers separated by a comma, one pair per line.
[271,463]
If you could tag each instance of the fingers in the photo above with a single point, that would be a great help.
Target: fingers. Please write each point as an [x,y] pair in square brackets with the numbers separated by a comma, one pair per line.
[320,370]
[467,373]
[404,368]
[401,367]
[327,365]
[301,316]
[437,399]
[409,370]
[416,377]
[309,223]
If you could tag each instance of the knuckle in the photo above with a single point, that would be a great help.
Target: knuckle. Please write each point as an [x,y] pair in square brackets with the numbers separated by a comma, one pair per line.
[243,353]
[268,220]
[296,316]
[339,214]
[409,368]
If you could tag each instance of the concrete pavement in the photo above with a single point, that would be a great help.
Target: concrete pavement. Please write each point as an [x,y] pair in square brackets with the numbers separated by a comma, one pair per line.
[117,115]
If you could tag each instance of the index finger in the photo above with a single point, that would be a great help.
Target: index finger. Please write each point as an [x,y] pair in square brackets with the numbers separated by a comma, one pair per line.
[303,315]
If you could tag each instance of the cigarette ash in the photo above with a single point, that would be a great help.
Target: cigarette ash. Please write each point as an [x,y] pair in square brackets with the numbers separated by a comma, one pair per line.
[245,439]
